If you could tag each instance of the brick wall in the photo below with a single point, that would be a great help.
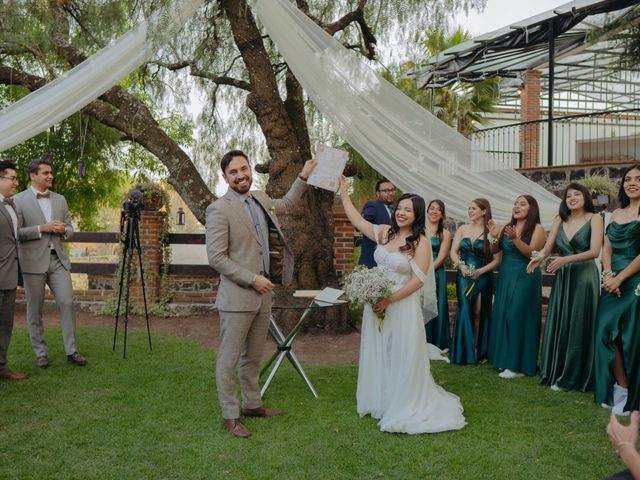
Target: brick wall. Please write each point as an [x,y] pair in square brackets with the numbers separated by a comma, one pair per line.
[530,111]
[342,241]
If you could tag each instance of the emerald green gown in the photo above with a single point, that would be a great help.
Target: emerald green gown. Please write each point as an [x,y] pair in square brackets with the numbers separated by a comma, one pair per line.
[463,350]
[567,345]
[517,311]
[620,317]
[438,329]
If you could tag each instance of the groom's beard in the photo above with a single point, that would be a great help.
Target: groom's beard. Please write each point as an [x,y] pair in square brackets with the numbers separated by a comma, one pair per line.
[240,187]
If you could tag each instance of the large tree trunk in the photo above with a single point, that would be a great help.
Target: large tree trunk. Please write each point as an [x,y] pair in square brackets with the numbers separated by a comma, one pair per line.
[309,230]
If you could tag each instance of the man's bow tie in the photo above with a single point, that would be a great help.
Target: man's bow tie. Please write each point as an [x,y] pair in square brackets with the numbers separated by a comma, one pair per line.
[43,195]
[7,201]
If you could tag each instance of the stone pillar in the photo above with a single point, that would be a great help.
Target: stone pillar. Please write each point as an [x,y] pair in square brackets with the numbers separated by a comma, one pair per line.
[530,111]
[342,240]
[151,224]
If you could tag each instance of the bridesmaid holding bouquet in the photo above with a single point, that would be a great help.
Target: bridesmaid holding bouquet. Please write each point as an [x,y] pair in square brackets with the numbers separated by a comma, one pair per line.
[472,257]
[438,329]
[515,321]
[566,361]
[617,350]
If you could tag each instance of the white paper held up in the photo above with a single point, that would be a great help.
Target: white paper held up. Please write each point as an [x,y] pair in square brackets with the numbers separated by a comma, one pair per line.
[331,163]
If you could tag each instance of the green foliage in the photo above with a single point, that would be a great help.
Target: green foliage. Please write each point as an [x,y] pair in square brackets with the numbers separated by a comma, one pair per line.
[451,291]
[599,184]
[74,140]
[155,415]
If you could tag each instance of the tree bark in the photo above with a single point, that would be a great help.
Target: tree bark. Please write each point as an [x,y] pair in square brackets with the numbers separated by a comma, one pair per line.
[309,230]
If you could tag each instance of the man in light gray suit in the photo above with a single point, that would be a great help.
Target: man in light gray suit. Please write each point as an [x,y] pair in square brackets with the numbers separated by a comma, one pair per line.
[9,272]
[43,259]
[246,246]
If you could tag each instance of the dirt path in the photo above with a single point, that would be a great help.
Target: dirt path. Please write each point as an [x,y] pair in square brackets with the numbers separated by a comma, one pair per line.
[317,349]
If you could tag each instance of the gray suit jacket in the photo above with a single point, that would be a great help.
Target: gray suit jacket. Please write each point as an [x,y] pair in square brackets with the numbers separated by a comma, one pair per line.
[35,254]
[234,249]
[8,250]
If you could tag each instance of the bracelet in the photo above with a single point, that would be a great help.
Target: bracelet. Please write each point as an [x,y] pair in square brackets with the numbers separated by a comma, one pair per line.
[492,240]
[304,179]
[608,274]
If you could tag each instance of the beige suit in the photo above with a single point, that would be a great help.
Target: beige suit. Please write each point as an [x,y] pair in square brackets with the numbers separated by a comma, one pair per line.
[235,251]
[44,260]
[8,279]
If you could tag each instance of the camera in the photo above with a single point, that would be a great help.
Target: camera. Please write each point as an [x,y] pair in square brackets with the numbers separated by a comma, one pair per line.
[134,202]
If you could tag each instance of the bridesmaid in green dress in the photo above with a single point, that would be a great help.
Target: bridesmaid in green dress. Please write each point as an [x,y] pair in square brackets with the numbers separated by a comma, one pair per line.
[438,328]
[566,361]
[474,289]
[618,326]
[517,305]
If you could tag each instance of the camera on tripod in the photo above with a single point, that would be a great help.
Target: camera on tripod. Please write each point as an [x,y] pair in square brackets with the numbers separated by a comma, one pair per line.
[130,238]
[134,202]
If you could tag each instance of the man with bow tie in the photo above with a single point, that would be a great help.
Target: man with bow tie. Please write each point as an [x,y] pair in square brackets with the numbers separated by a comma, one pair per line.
[9,272]
[44,261]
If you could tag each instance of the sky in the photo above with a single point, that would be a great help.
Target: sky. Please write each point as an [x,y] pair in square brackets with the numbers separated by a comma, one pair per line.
[500,13]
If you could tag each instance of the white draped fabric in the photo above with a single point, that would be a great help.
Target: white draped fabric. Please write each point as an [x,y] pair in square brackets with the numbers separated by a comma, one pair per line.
[395,135]
[80,86]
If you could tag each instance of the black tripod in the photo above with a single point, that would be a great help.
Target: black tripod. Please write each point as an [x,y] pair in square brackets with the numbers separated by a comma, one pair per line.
[130,226]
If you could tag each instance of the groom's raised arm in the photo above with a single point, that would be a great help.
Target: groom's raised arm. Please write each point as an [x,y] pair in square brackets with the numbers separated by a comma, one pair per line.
[293,196]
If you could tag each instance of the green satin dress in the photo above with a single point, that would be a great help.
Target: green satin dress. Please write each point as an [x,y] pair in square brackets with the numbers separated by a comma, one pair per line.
[438,329]
[463,349]
[517,310]
[620,317]
[567,345]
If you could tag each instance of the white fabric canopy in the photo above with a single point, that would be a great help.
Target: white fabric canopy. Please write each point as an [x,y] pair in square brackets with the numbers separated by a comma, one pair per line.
[80,86]
[394,134]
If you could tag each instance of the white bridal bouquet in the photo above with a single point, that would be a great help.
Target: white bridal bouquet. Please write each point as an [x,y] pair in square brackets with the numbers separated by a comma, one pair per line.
[368,285]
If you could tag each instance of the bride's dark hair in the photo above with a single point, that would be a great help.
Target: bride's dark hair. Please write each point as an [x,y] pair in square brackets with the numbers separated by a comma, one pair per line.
[417,227]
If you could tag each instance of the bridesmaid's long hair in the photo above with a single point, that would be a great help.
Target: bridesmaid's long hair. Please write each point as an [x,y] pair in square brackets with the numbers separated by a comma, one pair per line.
[564,211]
[418,226]
[533,218]
[483,204]
[440,229]
[623,198]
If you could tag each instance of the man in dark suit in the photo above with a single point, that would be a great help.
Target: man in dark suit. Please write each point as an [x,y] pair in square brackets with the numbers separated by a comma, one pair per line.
[246,246]
[44,261]
[378,212]
[9,225]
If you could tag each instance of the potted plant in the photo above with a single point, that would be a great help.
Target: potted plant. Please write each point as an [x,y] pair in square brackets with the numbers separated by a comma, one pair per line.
[600,186]
[154,196]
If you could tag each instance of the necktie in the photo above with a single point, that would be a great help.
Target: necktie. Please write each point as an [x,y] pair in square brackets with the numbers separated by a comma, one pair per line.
[43,195]
[8,201]
[261,235]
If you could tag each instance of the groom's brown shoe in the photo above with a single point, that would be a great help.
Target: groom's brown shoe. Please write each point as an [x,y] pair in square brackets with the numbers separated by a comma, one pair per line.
[236,427]
[261,411]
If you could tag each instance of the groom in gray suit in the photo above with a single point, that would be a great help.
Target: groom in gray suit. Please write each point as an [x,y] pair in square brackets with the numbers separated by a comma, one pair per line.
[43,259]
[9,271]
[246,246]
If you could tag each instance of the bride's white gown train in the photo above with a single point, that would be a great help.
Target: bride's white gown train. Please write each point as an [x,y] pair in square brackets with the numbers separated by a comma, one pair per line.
[394,376]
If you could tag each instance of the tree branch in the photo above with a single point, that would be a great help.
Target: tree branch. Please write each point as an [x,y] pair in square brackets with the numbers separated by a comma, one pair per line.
[356,16]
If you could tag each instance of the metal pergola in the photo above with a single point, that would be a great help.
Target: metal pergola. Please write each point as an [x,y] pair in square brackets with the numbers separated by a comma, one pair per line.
[576,47]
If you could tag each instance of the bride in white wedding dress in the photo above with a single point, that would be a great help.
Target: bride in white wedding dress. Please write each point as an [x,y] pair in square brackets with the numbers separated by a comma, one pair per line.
[394,377]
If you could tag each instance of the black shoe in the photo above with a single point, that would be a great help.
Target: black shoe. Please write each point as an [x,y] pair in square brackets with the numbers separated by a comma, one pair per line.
[77,359]
[42,362]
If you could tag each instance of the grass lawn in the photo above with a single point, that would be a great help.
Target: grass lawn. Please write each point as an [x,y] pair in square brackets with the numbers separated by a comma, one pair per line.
[155,416]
